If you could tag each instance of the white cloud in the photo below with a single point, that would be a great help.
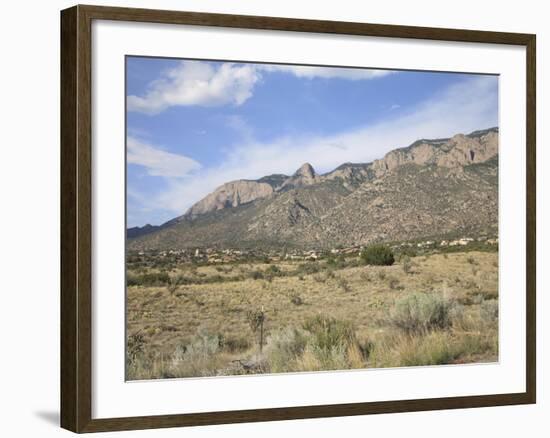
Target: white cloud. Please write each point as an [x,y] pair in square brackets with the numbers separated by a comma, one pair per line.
[462,108]
[203,84]
[304,71]
[197,83]
[159,162]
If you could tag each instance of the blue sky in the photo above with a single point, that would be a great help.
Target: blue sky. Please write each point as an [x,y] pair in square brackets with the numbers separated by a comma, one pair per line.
[194,125]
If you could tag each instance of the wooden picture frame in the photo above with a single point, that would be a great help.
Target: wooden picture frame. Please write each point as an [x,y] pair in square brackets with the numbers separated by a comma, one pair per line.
[76,218]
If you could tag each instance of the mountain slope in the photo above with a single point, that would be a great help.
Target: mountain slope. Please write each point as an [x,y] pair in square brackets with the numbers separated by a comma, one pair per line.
[416,201]
[430,188]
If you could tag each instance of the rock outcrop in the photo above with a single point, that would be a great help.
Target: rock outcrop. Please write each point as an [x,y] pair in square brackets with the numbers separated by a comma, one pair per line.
[460,150]
[304,176]
[231,194]
[235,193]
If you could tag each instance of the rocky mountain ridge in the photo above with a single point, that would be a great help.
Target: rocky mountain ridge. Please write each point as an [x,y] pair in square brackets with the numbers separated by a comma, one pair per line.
[459,150]
[430,187]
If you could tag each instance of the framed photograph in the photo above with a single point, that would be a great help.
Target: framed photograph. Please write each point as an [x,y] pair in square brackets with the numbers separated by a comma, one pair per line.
[270,218]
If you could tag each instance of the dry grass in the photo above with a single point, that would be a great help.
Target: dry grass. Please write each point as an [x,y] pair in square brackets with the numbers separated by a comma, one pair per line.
[202,329]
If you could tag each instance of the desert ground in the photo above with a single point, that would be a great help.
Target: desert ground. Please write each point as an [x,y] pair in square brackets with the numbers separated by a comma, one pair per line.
[273,316]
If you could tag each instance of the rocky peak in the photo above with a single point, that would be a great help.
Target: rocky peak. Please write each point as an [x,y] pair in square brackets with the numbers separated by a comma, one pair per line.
[231,194]
[305,171]
[304,176]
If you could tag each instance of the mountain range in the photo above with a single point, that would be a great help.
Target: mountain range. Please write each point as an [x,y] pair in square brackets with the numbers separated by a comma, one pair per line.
[432,188]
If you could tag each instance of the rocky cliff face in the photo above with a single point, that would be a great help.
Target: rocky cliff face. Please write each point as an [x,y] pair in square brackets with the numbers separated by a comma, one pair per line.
[432,187]
[460,150]
[235,193]
[231,194]
[456,152]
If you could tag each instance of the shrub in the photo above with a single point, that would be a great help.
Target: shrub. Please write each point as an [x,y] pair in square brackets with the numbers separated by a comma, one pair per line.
[255,318]
[337,262]
[283,347]
[471,298]
[235,344]
[421,312]
[315,358]
[394,284]
[408,252]
[319,278]
[407,265]
[309,268]
[274,269]
[329,332]
[379,255]
[323,343]
[257,275]
[331,260]
[436,348]
[173,286]
[148,279]
[365,276]
[344,284]
[331,344]
[197,358]
[489,310]
[132,280]
[134,347]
